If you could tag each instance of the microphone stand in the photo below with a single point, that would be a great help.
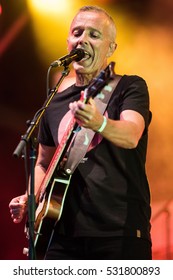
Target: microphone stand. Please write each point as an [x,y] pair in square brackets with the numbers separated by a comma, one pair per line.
[25,139]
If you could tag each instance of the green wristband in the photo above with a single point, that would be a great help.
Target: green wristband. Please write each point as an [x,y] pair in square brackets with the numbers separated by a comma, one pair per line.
[104,123]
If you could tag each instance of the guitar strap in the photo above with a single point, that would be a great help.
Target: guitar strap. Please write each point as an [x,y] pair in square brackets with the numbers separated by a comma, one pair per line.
[84,136]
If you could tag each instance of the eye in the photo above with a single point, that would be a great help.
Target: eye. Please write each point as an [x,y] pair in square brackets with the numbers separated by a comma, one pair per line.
[95,34]
[77,32]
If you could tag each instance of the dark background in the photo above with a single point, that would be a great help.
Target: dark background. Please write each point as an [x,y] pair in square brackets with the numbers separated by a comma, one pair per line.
[23,91]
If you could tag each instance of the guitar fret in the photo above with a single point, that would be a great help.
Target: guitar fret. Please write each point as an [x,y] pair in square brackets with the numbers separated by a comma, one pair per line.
[58,152]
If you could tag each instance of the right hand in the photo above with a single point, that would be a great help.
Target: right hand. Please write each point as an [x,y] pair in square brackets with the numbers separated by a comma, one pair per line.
[18,208]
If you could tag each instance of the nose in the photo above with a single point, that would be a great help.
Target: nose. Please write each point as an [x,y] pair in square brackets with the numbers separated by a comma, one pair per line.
[83,39]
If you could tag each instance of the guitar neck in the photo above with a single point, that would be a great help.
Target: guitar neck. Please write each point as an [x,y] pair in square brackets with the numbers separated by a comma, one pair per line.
[58,155]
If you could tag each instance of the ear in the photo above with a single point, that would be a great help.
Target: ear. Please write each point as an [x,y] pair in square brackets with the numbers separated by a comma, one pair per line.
[112,48]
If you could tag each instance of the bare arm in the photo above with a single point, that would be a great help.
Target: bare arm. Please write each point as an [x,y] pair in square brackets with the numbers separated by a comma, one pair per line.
[45,155]
[124,133]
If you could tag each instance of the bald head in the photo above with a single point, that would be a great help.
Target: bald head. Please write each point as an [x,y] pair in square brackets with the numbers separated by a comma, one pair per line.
[110,22]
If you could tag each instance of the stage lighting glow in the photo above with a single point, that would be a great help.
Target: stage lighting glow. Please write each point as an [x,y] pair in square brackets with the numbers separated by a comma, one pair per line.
[50,22]
[48,6]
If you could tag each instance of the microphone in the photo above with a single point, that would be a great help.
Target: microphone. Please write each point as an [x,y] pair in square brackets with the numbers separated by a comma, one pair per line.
[75,54]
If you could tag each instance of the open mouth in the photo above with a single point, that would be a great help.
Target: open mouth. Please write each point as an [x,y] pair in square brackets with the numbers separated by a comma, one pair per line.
[87,56]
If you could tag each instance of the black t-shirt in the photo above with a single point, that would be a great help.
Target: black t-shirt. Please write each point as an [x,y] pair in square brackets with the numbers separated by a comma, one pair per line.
[108,193]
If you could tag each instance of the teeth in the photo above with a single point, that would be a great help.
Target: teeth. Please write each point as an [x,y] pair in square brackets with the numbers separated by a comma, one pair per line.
[86,53]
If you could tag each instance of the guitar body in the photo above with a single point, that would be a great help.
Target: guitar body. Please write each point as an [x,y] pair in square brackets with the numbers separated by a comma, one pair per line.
[49,212]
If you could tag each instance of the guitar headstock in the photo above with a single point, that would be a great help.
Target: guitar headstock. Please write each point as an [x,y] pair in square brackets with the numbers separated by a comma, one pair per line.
[99,82]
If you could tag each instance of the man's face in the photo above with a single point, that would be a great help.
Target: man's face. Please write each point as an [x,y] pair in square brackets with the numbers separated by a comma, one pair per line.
[91,32]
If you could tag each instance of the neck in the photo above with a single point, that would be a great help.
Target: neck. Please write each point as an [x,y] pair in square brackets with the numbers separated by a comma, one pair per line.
[83,79]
